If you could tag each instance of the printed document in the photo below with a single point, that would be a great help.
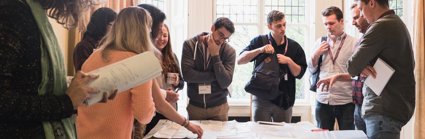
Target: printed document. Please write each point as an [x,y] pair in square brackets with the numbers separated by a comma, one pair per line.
[124,75]
[383,75]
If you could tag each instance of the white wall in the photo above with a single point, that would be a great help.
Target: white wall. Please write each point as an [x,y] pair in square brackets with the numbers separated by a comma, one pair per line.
[200,16]
[177,18]
[62,37]
[320,6]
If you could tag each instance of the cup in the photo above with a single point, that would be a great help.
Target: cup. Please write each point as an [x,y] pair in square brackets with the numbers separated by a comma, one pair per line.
[172,78]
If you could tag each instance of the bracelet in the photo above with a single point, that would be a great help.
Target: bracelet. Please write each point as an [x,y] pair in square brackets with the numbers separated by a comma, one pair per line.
[185,123]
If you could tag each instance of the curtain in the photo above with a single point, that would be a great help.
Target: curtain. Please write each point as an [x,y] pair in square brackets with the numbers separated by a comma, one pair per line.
[76,34]
[419,38]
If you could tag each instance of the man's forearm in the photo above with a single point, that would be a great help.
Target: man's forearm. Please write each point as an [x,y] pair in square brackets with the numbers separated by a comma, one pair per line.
[247,56]
[295,68]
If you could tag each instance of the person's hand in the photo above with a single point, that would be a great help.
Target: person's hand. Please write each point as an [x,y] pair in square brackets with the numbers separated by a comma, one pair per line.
[268,49]
[213,48]
[282,59]
[368,71]
[324,47]
[108,96]
[78,90]
[327,82]
[195,129]
[171,96]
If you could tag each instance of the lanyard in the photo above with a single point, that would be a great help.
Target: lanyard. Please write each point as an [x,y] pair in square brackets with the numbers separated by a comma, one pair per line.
[285,74]
[286,41]
[337,52]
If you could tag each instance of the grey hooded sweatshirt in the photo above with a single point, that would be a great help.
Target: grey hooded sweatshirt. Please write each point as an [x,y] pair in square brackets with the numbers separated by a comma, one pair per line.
[198,68]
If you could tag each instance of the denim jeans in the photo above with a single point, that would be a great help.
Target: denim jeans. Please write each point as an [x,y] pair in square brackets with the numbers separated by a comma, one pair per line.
[265,110]
[382,127]
[326,114]
[358,120]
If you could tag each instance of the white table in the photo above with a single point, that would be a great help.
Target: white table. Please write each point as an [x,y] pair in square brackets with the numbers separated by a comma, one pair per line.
[250,130]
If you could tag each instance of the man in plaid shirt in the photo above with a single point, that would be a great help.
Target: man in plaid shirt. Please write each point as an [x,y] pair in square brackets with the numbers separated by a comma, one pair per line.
[360,22]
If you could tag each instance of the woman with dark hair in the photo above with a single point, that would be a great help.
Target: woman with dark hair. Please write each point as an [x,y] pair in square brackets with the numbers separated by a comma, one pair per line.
[158,18]
[100,23]
[161,104]
[35,102]
[171,80]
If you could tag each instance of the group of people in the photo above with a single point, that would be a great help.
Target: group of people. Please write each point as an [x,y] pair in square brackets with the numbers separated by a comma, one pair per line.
[341,93]
[133,31]
[36,103]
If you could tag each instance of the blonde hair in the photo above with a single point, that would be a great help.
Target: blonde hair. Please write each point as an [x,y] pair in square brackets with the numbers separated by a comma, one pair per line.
[130,32]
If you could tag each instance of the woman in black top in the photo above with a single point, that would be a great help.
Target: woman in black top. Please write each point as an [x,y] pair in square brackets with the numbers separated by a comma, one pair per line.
[100,22]
[34,100]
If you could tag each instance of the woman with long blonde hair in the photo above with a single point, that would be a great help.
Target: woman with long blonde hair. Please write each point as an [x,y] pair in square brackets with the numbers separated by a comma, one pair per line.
[129,36]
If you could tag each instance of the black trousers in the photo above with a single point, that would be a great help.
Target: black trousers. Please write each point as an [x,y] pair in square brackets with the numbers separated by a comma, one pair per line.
[153,122]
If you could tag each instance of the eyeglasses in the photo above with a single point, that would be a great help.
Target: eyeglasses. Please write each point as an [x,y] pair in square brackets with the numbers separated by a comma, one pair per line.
[222,36]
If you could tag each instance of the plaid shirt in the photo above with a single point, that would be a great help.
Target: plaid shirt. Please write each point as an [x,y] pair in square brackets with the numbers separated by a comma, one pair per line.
[358,84]
[357,90]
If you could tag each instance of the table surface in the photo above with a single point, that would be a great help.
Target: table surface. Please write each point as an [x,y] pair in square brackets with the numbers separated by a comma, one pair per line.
[251,130]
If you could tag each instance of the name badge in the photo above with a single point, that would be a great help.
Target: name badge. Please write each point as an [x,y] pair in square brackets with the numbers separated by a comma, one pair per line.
[204,89]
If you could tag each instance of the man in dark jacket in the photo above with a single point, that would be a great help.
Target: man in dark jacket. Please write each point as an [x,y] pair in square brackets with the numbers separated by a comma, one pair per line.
[292,64]
[207,65]
[388,39]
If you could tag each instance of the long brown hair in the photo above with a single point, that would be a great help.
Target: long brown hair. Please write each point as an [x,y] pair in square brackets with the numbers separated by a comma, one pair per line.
[130,32]
[168,60]
[66,12]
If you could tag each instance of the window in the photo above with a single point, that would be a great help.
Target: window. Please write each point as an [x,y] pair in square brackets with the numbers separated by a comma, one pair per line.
[250,19]
[244,13]
[158,3]
[397,6]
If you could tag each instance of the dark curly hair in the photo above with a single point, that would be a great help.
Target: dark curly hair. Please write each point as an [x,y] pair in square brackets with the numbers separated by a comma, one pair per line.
[66,12]
[99,22]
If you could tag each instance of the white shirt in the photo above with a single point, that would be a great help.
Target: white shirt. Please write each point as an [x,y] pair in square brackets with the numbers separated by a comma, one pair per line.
[341,92]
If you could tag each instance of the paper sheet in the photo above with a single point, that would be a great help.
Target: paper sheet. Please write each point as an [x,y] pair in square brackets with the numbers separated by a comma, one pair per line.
[383,75]
[250,130]
[125,74]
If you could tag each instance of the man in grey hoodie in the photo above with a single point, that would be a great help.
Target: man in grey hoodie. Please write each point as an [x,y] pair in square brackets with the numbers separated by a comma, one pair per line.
[207,65]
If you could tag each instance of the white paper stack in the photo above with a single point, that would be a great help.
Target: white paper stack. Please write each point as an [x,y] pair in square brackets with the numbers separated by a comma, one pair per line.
[125,74]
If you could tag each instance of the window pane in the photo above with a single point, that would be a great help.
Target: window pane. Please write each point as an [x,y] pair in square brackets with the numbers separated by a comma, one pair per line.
[158,3]
[239,40]
[244,13]
[294,10]
[397,6]
[239,11]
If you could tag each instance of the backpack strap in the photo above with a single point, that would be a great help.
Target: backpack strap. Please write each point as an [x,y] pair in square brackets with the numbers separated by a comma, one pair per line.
[324,38]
